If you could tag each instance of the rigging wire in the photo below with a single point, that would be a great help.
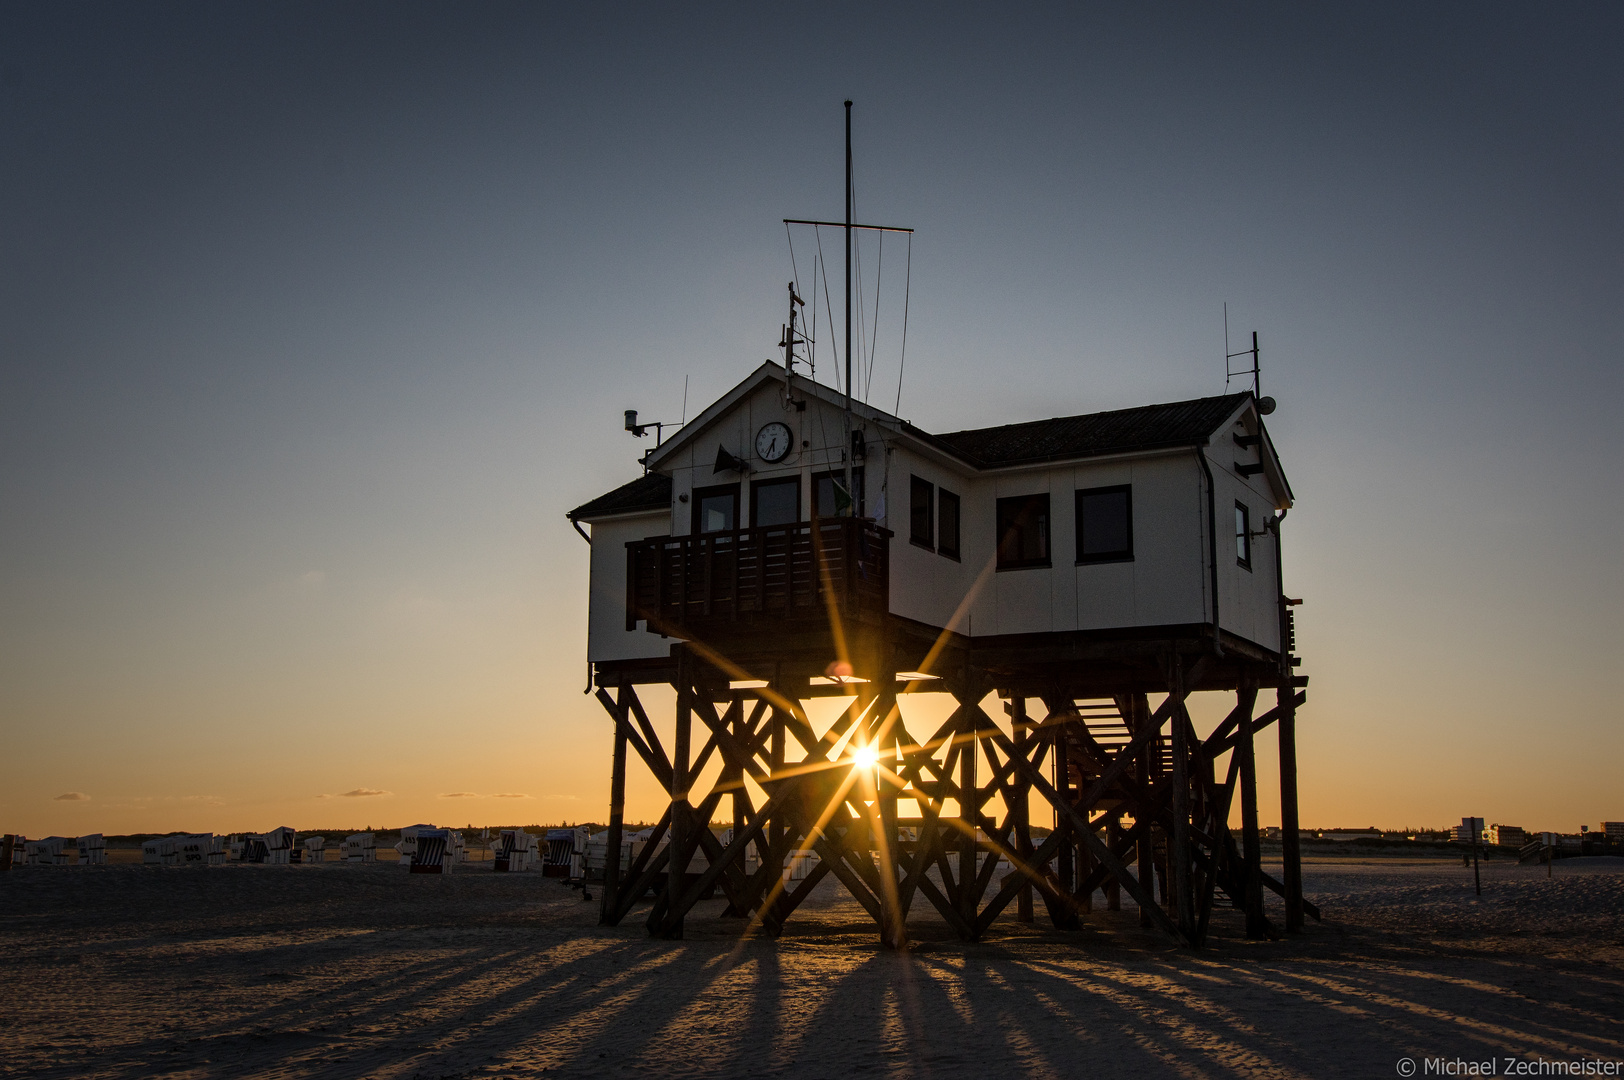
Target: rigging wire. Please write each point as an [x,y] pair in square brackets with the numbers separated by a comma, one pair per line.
[906,289]
[794,270]
[828,306]
[864,360]
[873,345]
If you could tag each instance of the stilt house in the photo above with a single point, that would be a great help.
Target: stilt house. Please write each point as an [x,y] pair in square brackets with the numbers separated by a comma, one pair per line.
[789,543]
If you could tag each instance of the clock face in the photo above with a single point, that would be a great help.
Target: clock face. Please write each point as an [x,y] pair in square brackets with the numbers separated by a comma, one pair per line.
[772,442]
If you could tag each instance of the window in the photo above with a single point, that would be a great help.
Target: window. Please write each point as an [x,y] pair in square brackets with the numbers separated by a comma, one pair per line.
[828,493]
[1023,532]
[1243,535]
[716,509]
[922,512]
[947,532]
[775,502]
[1105,524]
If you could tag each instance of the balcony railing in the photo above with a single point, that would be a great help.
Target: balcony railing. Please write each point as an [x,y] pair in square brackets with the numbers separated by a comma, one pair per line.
[761,576]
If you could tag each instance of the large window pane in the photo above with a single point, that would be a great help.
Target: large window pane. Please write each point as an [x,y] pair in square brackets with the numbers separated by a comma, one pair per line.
[1023,531]
[922,512]
[776,502]
[1243,535]
[1105,524]
[947,540]
[828,498]
[716,509]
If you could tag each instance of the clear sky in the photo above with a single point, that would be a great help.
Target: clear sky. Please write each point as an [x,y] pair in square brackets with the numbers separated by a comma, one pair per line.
[315,319]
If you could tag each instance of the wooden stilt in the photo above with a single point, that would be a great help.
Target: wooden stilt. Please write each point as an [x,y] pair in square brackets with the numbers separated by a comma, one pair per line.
[1290,840]
[1022,809]
[1179,843]
[677,864]
[617,810]
[1251,846]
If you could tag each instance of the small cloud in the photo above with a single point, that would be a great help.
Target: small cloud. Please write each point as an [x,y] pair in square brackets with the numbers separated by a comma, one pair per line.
[510,795]
[362,793]
[458,795]
[72,796]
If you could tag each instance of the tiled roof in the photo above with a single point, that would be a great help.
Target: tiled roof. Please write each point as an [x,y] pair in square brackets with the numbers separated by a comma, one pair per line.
[1149,427]
[651,492]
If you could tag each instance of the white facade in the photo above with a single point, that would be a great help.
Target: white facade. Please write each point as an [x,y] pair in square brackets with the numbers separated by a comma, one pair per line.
[1168,581]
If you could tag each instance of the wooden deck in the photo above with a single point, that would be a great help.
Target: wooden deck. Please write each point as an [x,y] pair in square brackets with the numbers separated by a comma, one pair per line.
[748,579]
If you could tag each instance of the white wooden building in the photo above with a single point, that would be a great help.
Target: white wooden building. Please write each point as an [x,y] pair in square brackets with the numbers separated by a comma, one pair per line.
[1152,521]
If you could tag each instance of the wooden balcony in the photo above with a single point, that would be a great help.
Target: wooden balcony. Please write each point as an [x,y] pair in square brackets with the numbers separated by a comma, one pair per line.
[754,578]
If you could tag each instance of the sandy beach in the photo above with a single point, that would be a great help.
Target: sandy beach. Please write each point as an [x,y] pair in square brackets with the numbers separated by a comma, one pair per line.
[349,970]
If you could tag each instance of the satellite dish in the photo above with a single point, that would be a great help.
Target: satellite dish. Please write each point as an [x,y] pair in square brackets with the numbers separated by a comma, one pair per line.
[726,462]
[1265,406]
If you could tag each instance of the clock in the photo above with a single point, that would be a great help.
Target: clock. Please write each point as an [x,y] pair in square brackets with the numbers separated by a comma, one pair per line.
[773,442]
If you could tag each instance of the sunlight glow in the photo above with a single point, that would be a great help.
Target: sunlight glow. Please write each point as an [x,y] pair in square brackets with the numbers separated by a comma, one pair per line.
[865,757]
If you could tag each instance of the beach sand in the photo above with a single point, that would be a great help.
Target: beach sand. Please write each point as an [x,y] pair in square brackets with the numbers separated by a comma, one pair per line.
[349,970]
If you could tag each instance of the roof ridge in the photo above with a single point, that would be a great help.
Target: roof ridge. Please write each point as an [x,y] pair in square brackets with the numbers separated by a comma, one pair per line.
[1102,412]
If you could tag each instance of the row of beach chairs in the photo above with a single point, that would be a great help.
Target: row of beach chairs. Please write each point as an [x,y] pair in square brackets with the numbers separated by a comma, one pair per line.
[423,849]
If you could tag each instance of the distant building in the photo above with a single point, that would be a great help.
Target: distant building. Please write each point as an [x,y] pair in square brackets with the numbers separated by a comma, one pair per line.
[1509,835]
[1614,830]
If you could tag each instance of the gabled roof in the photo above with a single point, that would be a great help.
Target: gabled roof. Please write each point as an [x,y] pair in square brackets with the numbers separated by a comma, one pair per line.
[767,372]
[1064,438]
[1148,427]
[646,493]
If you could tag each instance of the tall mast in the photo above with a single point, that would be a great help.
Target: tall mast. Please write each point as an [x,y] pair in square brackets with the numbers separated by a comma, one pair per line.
[851,492]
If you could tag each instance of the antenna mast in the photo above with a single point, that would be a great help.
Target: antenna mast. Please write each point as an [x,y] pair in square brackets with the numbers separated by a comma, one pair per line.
[848,225]
[851,493]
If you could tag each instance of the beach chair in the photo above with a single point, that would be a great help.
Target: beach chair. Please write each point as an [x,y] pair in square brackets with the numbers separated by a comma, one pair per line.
[515,851]
[51,851]
[279,846]
[434,853]
[252,849]
[196,849]
[358,847]
[92,850]
[408,842]
[315,849]
[566,854]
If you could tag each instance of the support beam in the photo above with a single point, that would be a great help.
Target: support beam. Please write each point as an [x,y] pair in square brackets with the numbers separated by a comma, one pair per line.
[1291,852]
[617,810]
[1251,845]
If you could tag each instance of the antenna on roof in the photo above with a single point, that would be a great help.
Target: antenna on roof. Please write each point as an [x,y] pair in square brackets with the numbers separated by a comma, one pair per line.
[1265,405]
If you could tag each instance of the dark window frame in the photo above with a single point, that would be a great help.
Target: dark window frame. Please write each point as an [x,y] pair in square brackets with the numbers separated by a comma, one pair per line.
[700,495]
[918,514]
[943,497]
[776,481]
[1046,560]
[1096,558]
[858,482]
[1243,535]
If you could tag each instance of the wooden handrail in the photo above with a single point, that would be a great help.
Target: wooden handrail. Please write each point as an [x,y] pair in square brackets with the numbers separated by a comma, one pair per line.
[676,581]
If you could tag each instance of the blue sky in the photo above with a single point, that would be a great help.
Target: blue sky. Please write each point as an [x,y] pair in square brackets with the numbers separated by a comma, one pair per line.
[314,320]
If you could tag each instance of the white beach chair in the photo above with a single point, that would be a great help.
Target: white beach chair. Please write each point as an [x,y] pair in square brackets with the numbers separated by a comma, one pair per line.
[408,842]
[358,847]
[92,850]
[566,853]
[197,849]
[279,846]
[51,851]
[434,852]
[315,849]
[515,851]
